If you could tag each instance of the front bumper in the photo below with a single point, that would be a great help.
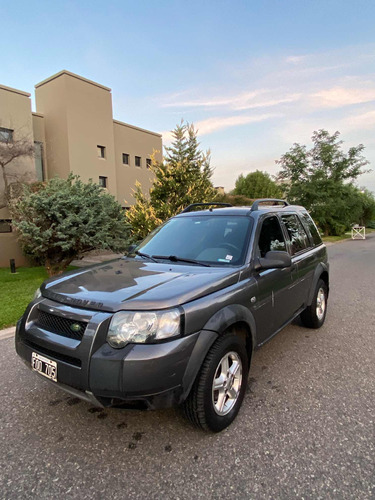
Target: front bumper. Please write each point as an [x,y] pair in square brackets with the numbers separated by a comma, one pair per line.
[138,375]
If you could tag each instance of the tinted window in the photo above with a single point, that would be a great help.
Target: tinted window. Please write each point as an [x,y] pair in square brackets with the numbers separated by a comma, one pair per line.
[271,236]
[298,238]
[213,239]
[103,181]
[312,228]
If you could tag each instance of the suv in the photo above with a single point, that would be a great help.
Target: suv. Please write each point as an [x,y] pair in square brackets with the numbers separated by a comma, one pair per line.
[177,319]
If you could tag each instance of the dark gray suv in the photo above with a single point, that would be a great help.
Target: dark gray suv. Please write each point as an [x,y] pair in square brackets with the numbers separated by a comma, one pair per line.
[175,321]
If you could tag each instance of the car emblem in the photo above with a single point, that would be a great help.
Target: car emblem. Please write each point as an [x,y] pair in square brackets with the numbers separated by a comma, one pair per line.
[75,327]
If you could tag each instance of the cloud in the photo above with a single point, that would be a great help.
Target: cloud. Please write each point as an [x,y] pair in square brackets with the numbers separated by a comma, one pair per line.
[337,97]
[213,102]
[239,102]
[295,59]
[362,121]
[210,125]
[271,102]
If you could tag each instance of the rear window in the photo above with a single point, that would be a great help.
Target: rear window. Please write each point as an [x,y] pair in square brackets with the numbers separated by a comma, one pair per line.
[309,223]
[298,237]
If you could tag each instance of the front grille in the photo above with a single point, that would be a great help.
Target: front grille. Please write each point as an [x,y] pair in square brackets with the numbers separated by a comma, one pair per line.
[61,326]
[53,354]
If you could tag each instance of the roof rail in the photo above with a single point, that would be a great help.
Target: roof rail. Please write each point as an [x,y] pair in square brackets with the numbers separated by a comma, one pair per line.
[193,205]
[271,201]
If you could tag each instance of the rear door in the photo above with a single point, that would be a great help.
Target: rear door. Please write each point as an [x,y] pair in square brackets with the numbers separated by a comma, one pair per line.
[303,258]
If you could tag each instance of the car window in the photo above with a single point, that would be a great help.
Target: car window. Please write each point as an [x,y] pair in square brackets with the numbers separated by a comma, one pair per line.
[214,239]
[298,237]
[312,228]
[271,236]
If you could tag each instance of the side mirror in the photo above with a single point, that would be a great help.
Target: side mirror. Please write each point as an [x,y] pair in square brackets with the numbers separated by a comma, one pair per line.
[273,260]
[131,248]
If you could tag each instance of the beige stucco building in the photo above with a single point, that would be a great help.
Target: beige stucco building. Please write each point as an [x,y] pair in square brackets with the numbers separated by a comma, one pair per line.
[73,130]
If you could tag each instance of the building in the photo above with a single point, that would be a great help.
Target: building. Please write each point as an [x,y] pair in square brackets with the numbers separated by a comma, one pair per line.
[73,130]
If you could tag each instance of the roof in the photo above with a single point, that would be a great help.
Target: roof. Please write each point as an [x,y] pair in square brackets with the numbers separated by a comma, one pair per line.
[73,75]
[15,91]
[244,211]
[117,122]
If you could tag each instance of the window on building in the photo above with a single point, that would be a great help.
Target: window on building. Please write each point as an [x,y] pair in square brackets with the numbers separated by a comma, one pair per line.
[297,234]
[101,151]
[5,226]
[6,135]
[148,162]
[38,149]
[125,158]
[103,181]
[138,161]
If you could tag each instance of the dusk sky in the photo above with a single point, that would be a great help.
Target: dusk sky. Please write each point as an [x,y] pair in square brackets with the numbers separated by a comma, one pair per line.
[254,77]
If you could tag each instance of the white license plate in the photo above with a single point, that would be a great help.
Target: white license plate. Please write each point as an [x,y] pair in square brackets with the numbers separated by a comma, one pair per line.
[44,366]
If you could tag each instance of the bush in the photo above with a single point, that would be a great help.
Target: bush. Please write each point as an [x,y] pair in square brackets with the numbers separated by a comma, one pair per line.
[60,219]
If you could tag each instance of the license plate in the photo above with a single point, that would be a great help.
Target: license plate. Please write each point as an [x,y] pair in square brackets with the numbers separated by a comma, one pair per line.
[44,366]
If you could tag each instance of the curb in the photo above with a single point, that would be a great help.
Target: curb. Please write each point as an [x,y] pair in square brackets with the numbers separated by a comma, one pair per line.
[7,333]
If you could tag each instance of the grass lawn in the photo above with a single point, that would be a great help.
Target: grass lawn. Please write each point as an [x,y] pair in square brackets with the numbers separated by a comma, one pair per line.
[16,291]
[333,239]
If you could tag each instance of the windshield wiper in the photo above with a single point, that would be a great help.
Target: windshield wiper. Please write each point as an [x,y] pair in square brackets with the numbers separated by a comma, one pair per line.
[145,255]
[174,258]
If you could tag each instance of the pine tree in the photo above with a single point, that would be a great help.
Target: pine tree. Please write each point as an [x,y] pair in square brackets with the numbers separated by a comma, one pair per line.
[182,178]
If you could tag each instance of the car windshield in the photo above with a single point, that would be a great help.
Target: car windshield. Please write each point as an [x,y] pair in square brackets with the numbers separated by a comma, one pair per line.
[210,239]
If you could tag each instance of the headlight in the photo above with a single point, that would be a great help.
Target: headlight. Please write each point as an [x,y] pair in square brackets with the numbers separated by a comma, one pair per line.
[37,294]
[142,327]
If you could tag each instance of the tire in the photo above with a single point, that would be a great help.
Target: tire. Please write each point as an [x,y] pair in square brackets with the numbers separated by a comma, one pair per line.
[213,409]
[314,316]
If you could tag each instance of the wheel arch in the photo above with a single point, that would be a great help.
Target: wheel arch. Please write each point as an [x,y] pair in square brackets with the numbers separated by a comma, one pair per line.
[325,277]
[235,318]
[321,272]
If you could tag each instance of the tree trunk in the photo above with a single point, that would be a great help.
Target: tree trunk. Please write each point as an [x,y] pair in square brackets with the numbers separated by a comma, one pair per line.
[5,180]
[55,268]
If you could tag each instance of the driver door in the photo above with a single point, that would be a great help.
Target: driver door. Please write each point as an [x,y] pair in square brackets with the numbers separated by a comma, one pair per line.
[272,307]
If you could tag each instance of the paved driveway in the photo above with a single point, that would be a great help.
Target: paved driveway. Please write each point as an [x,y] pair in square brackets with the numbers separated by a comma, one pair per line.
[305,429]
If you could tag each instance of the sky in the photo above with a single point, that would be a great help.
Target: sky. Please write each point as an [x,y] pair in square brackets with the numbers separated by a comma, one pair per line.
[253,76]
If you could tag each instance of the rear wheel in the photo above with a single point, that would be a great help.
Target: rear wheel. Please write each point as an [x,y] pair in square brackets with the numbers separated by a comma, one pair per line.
[315,314]
[217,394]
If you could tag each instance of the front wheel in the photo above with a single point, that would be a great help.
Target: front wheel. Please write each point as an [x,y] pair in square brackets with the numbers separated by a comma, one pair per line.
[313,316]
[217,394]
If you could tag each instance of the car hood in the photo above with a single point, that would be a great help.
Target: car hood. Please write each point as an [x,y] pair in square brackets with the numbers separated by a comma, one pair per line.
[129,284]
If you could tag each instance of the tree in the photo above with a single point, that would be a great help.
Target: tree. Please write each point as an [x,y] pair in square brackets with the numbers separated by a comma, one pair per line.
[321,179]
[257,185]
[60,219]
[10,150]
[182,178]
[237,200]
[364,209]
